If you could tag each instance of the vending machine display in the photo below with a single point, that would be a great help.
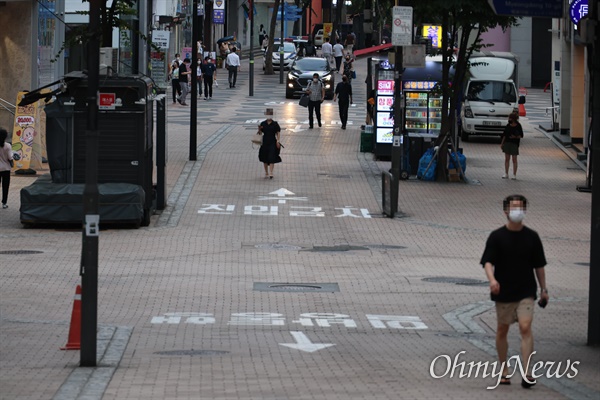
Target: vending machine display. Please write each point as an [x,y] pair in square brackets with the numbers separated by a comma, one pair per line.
[423,112]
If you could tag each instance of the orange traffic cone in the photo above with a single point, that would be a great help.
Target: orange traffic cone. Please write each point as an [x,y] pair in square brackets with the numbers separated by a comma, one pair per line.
[74,342]
[522,112]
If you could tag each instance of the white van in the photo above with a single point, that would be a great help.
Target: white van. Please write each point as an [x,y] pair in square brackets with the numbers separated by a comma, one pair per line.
[490,95]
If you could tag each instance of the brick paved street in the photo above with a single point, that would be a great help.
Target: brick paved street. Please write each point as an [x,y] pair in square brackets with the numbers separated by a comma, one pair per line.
[184,293]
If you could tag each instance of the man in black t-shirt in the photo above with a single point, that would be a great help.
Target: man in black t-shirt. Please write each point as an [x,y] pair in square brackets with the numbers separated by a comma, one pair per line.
[513,258]
[343,93]
[209,72]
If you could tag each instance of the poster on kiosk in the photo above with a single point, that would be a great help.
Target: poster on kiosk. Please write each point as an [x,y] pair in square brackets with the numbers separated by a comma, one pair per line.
[384,101]
[422,105]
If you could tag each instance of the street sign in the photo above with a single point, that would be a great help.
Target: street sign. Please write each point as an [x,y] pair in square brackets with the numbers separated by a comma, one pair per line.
[402,26]
[413,56]
[578,9]
[528,8]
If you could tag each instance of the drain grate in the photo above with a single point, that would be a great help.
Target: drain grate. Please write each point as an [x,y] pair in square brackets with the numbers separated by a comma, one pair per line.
[385,246]
[341,247]
[278,246]
[456,281]
[584,264]
[334,176]
[20,252]
[191,352]
[295,287]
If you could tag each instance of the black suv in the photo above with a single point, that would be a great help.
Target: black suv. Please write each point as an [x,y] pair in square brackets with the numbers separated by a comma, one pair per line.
[302,71]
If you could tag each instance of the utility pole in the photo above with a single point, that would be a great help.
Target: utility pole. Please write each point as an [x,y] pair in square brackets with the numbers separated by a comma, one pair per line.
[194,76]
[251,68]
[401,16]
[281,52]
[594,293]
[91,221]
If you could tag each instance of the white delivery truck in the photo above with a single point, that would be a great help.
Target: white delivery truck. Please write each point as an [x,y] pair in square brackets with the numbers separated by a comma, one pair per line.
[490,94]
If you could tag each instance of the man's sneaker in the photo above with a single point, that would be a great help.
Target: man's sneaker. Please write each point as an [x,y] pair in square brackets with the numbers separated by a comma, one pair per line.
[514,178]
[210,98]
[4,205]
[504,176]
[206,98]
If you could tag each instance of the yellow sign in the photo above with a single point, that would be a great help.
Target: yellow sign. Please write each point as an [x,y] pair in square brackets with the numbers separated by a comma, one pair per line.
[26,138]
[327,28]
[434,32]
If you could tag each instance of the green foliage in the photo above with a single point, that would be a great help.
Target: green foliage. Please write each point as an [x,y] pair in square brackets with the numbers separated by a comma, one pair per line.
[463,22]
[120,14]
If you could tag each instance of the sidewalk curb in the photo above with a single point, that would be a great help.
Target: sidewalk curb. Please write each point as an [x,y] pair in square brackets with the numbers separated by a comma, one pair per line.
[90,383]
[462,321]
[187,179]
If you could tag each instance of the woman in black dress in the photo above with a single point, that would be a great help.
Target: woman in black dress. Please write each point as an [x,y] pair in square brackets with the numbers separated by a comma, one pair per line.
[513,133]
[268,153]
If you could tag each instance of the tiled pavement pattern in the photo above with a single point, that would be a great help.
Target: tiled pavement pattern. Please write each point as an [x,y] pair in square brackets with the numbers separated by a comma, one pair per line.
[206,265]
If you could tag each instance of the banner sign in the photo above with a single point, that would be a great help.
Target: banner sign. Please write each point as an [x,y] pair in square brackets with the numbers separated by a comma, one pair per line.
[26,137]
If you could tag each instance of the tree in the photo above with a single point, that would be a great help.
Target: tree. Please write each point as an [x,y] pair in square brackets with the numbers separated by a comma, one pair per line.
[269,52]
[117,15]
[463,22]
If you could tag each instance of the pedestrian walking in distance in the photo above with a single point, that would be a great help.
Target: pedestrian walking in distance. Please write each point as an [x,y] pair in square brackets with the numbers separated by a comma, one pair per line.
[511,139]
[184,73]
[261,34]
[513,258]
[174,76]
[316,95]
[233,66]
[327,51]
[343,94]
[209,74]
[6,164]
[268,154]
[338,54]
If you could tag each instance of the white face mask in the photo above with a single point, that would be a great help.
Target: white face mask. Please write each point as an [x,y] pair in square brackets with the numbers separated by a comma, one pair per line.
[315,80]
[516,215]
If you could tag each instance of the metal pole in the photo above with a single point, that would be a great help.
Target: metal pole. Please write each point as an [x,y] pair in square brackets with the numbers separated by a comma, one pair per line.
[161,152]
[251,69]
[193,73]
[91,221]
[594,294]
[281,45]
[397,141]
[310,27]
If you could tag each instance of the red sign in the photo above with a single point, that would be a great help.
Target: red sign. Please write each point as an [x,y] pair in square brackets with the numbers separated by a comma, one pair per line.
[107,101]
[385,87]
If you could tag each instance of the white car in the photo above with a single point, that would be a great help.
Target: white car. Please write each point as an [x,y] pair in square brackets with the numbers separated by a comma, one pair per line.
[290,53]
[319,38]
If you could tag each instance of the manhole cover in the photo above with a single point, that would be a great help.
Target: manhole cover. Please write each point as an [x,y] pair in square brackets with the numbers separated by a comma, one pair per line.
[278,246]
[191,352]
[456,281]
[17,252]
[295,287]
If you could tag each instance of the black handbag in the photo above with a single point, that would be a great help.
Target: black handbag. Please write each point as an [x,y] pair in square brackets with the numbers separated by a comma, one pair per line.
[304,100]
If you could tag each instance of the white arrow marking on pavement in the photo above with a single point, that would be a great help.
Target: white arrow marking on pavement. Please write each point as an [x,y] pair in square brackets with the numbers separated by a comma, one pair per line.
[282,192]
[303,343]
[298,128]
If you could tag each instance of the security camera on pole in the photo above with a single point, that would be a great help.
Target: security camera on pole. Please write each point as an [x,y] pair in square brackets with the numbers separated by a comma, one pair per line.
[402,29]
